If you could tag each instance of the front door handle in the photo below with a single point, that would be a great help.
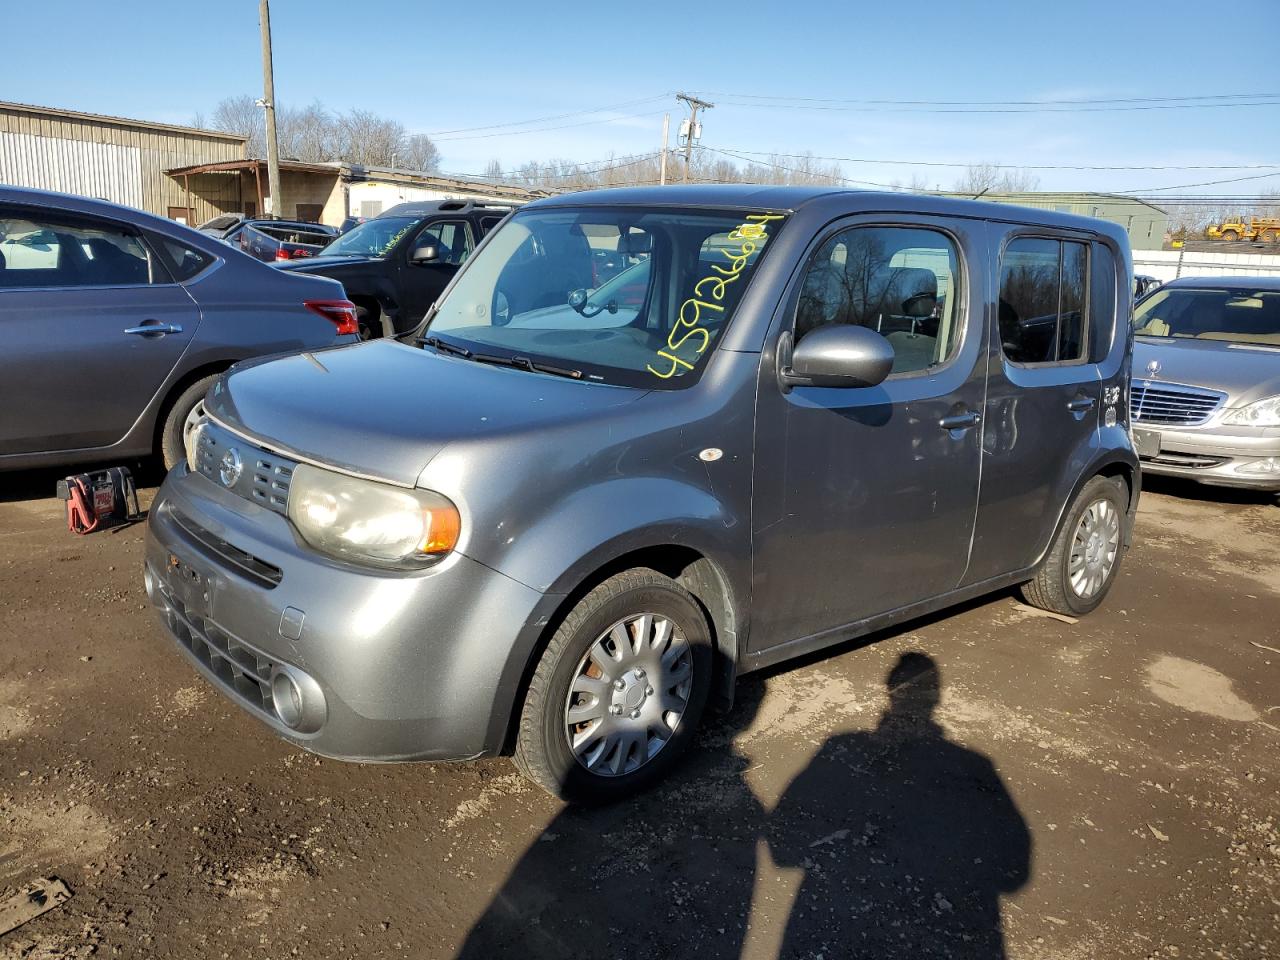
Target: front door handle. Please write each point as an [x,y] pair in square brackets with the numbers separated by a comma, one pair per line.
[153,329]
[961,421]
[1080,404]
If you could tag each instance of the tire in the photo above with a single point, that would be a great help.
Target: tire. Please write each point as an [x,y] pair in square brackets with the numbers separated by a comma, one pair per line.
[1077,588]
[172,449]
[370,323]
[1267,236]
[611,761]
[1230,236]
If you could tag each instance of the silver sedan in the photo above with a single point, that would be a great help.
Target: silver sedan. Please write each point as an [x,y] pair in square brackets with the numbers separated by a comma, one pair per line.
[1205,398]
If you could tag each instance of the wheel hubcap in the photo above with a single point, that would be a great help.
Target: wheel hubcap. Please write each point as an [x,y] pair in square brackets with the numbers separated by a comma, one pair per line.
[1094,549]
[628,695]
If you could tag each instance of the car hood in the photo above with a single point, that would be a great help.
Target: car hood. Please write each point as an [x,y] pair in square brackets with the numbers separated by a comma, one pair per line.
[1245,372]
[383,409]
[321,262]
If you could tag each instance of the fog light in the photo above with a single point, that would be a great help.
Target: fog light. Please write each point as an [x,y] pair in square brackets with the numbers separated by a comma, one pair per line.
[297,699]
[1266,467]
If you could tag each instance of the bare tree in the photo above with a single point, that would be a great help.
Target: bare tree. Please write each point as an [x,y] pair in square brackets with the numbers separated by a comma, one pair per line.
[421,154]
[982,178]
[241,115]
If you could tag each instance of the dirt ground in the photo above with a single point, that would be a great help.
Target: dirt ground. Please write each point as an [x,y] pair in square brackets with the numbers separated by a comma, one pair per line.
[1033,788]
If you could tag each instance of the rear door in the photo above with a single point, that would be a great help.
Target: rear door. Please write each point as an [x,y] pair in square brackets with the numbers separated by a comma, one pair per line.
[1043,395]
[91,323]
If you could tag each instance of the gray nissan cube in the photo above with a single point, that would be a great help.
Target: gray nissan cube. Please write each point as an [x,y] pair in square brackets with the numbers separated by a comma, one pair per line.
[646,441]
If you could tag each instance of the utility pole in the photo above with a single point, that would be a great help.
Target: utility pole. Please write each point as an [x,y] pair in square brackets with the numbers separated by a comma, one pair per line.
[690,129]
[268,103]
[666,130]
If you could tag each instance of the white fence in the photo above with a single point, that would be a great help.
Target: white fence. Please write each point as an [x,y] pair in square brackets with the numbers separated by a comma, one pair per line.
[1167,265]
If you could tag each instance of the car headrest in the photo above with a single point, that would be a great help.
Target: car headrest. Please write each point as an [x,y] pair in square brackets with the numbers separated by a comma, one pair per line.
[916,288]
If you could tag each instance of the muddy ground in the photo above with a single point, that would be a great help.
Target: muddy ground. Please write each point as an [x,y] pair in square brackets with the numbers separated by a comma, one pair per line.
[1105,789]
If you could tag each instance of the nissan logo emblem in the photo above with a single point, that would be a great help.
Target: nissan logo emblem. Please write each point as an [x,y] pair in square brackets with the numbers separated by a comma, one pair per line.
[1153,368]
[230,467]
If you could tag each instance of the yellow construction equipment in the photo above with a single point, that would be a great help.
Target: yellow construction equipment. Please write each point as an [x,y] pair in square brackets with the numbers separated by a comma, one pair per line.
[1266,229]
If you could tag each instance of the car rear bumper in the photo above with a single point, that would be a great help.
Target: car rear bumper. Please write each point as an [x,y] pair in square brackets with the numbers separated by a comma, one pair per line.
[348,663]
[1220,456]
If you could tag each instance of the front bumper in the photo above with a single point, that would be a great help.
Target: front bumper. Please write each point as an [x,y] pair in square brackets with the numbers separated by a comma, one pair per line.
[389,666]
[1217,455]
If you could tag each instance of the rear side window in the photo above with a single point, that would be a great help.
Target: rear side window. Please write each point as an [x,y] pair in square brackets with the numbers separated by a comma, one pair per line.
[1102,303]
[898,281]
[186,263]
[1044,297]
[39,252]
[488,223]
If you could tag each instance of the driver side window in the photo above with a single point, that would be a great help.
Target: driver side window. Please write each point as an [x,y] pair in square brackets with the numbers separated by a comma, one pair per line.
[899,281]
[451,237]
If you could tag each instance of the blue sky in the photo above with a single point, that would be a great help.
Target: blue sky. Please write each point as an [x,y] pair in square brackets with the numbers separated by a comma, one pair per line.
[440,67]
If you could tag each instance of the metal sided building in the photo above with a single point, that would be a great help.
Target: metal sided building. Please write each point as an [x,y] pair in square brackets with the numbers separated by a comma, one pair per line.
[1146,223]
[114,158]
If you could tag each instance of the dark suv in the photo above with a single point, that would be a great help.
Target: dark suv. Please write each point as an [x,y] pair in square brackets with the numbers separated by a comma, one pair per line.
[394,266]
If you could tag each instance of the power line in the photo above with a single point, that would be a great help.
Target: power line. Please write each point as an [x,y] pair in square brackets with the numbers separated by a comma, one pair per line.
[566,126]
[1080,108]
[558,116]
[1009,166]
[1207,183]
[1003,103]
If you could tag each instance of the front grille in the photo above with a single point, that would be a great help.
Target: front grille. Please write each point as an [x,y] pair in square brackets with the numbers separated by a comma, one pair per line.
[264,476]
[243,671]
[246,564]
[1196,461]
[1172,404]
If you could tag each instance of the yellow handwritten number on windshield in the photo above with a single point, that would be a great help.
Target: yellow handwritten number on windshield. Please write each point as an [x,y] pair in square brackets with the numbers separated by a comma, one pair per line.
[709,296]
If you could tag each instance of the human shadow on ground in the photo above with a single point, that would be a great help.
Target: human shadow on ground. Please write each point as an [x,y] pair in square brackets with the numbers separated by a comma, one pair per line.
[906,839]
[907,842]
[667,874]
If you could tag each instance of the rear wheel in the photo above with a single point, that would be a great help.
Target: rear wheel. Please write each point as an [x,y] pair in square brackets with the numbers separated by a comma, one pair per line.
[1085,556]
[1267,236]
[619,691]
[1230,235]
[186,410]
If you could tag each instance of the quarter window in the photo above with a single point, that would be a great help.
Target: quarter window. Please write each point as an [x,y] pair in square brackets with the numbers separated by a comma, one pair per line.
[47,253]
[186,262]
[1044,300]
[899,281]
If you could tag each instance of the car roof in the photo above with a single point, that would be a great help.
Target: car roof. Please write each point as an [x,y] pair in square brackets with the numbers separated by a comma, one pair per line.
[269,222]
[838,200]
[1227,280]
[422,208]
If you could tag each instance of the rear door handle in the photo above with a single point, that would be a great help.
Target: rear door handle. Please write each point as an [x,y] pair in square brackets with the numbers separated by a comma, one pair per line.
[1080,403]
[960,421]
[153,329]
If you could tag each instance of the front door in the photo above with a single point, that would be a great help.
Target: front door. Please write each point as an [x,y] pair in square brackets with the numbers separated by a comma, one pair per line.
[423,282]
[1044,395]
[864,498]
[92,326]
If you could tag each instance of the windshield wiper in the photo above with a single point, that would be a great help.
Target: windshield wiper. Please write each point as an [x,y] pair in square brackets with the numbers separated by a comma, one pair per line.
[444,346]
[525,363]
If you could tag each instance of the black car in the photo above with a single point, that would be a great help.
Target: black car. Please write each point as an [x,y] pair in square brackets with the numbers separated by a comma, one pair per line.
[394,266]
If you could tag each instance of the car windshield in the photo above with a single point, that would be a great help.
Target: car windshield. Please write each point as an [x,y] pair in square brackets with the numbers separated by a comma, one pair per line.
[373,238]
[625,295]
[1236,314]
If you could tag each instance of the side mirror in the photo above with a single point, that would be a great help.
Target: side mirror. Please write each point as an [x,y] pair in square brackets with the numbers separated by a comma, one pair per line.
[840,355]
[425,253]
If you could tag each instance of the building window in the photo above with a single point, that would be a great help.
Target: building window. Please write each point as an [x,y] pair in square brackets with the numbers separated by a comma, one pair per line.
[309,212]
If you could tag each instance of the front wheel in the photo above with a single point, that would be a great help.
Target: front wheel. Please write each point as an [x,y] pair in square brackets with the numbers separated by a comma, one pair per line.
[181,418]
[1085,557]
[619,691]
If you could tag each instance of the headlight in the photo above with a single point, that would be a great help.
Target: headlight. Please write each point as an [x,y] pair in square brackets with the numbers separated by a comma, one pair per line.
[191,441]
[367,521]
[1264,413]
